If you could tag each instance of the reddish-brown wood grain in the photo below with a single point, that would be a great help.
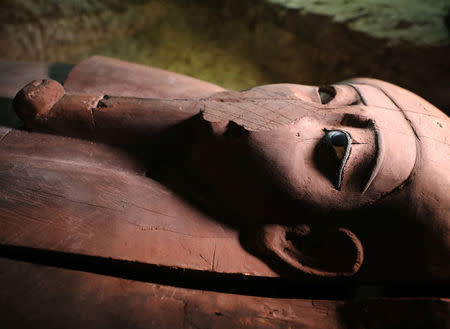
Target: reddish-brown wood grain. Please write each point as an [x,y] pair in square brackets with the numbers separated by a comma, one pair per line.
[75,196]
[88,234]
[50,297]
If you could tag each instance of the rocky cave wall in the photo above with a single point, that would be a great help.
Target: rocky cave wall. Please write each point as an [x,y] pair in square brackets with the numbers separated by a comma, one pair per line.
[240,44]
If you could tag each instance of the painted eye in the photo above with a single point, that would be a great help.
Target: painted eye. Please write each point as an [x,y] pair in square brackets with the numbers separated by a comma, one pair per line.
[339,143]
[338,140]
[326,93]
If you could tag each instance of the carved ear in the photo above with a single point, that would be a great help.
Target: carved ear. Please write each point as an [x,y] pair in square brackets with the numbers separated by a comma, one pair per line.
[321,252]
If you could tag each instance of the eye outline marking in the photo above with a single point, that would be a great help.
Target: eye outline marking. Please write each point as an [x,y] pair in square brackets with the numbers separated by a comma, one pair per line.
[329,134]
[379,155]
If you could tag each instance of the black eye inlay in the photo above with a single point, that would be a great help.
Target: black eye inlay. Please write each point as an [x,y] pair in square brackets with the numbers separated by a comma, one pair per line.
[339,143]
[326,93]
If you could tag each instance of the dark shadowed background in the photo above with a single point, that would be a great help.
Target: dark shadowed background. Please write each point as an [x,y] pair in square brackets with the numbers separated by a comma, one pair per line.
[239,44]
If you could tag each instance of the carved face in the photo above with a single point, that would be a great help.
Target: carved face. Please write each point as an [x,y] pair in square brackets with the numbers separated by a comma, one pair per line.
[338,147]
[341,149]
[324,176]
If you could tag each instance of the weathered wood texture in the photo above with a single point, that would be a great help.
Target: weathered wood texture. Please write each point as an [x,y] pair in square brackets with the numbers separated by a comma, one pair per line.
[57,298]
[88,205]
[42,296]
[273,115]
[70,195]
